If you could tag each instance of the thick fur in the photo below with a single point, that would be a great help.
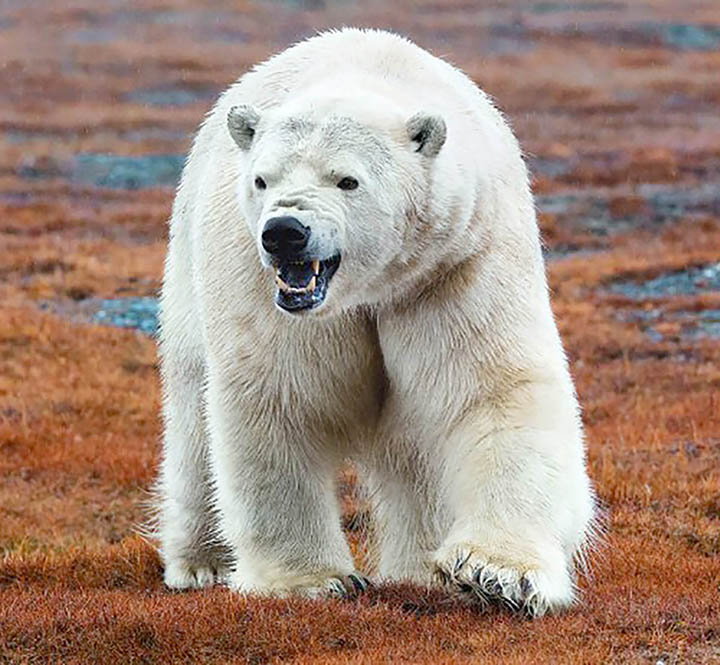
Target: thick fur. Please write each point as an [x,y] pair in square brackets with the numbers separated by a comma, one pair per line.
[435,362]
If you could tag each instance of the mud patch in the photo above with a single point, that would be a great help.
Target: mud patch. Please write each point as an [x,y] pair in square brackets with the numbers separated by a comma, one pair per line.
[692,281]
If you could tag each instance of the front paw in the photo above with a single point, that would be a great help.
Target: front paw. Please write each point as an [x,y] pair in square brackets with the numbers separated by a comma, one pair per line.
[180,574]
[527,587]
[336,585]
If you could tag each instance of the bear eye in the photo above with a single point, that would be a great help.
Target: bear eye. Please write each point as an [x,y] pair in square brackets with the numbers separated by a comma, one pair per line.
[260,183]
[348,183]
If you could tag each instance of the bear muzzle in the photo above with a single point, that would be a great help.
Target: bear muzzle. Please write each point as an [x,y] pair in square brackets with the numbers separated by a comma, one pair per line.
[302,280]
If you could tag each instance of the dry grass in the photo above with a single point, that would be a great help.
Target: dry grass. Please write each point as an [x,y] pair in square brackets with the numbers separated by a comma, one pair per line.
[79,427]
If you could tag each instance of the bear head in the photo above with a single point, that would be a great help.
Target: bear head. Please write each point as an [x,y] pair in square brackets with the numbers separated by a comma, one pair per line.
[330,190]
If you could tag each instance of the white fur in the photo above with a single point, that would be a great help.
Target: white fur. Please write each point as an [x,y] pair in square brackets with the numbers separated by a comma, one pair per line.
[435,361]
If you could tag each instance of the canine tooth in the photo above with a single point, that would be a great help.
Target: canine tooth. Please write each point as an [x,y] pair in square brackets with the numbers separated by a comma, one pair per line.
[311,284]
[316,267]
[281,284]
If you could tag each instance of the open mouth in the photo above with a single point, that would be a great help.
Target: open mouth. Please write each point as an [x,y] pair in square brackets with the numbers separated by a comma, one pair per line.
[303,285]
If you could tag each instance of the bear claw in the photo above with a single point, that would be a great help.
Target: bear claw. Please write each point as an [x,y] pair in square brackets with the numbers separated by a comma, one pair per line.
[489,583]
[347,586]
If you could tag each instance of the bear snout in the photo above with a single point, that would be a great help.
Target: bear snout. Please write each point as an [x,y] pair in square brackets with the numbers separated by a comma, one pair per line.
[285,237]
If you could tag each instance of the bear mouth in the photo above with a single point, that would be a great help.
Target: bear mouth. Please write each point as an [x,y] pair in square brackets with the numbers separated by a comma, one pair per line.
[303,285]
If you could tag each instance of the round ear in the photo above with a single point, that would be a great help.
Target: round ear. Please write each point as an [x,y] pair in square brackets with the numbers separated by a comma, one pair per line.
[428,132]
[241,121]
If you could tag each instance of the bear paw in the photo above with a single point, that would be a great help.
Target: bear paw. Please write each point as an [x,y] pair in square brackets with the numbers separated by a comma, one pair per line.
[307,586]
[346,586]
[490,580]
[182,575]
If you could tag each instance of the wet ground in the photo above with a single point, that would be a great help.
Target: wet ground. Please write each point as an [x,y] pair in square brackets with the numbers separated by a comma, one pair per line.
[691,281]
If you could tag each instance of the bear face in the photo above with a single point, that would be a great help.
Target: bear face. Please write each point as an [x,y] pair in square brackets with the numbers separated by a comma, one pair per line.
[328,197]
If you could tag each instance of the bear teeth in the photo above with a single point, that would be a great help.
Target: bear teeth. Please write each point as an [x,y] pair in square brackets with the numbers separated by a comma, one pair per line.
[285,287]
[316,267]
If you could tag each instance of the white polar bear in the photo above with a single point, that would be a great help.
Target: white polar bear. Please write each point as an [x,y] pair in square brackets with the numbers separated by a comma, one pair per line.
[354,272]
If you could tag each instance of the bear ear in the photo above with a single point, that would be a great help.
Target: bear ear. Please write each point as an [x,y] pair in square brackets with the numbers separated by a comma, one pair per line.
[241,122]
[428,132]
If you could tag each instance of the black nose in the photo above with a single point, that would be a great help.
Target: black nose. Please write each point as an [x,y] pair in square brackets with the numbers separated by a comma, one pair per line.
[284,236]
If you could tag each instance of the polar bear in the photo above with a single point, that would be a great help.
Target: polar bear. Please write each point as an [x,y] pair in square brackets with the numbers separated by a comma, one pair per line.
[354,272]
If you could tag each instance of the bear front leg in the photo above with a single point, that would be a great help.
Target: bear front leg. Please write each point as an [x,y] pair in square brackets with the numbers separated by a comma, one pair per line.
[191,550]
[275,494]
[520,511]
[407,512]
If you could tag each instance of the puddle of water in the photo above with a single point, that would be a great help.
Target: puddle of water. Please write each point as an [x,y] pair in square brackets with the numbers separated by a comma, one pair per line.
[689,37]
[549,167]
[136,135]
[678,36]
[555,7]
[108,170]
[93,36]
[660,204]
[560,252]
[580,210]
[683,282]
[170,96]
[127,172]
[308,4]
[138,313]
[670,203]
[684,324]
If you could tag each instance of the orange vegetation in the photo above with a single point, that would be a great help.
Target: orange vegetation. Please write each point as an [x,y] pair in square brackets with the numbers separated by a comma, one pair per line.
[608,98]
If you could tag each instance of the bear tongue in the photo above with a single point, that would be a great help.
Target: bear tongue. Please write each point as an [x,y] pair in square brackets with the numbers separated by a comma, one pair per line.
[297,275]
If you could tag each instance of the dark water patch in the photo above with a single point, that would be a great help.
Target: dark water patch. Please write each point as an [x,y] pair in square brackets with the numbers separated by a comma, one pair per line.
[171,95]
[557,7]
[691,281]
[688,36]
[677,36]
[506,39]
[228,34]
[107,170]
[127,172]
[308,4]
[643,206]
[549,167]
[672,203]
[136,135]
[660,325]
[589,212]
[126,17]
[144,134]
[93,36]
[138,313]
[23,136]
[562,252]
